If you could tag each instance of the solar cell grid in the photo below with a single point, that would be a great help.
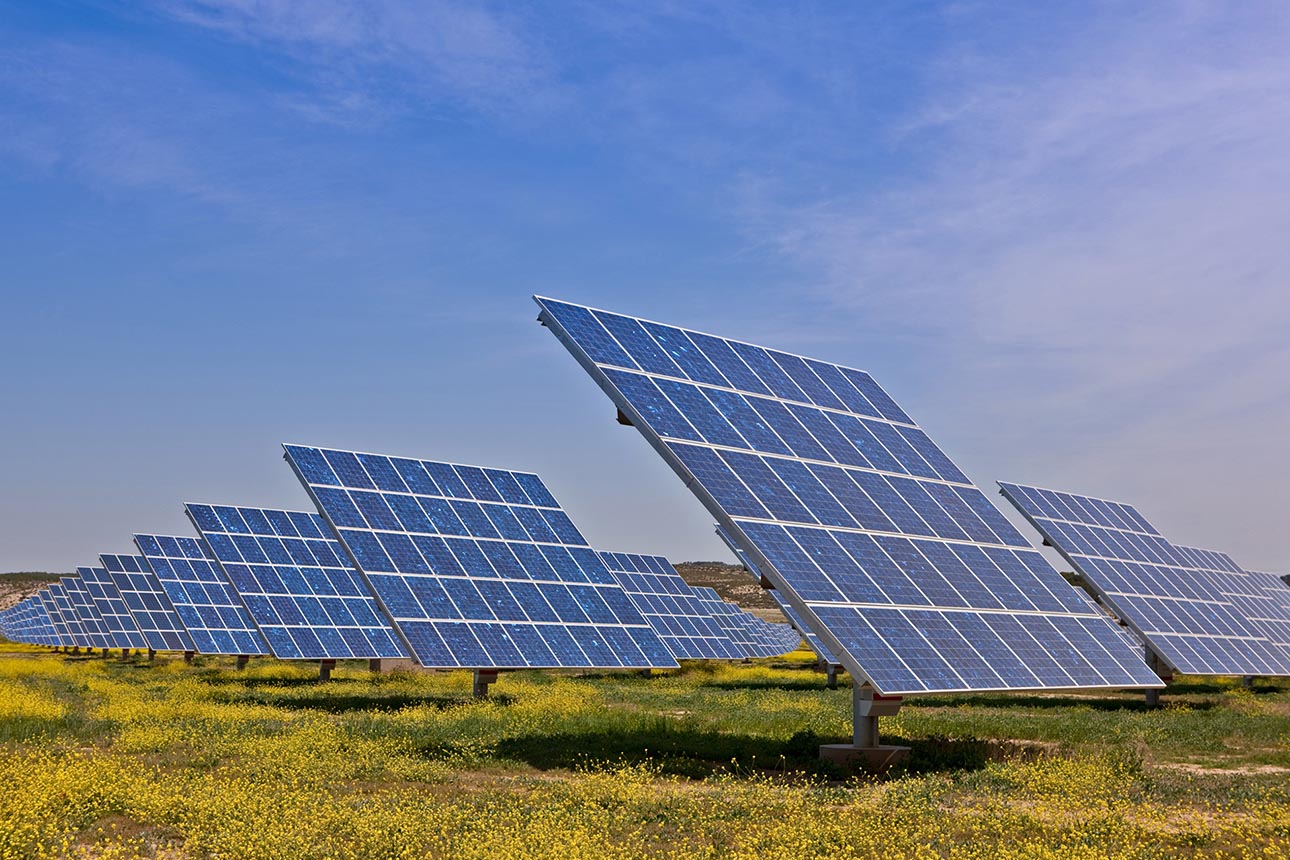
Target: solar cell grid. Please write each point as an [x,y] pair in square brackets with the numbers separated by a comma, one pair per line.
[1277,620]
[214,618]
[116,617]
[478,568]
[297,583]
[669,605]
[1179,600]
[867,528]
[96,631]
[70,630]
[146,600]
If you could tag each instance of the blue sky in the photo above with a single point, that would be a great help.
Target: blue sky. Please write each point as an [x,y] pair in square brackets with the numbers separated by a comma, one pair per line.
[1055,233]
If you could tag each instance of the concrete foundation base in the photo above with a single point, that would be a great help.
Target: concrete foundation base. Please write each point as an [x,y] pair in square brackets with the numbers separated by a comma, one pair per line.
[872,759]
[325,668]
[484,678]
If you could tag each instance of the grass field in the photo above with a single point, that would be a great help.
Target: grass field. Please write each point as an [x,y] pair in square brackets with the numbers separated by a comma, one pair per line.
[103,758]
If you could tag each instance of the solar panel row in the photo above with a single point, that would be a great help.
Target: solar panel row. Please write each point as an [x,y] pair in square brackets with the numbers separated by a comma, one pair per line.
[1180,601]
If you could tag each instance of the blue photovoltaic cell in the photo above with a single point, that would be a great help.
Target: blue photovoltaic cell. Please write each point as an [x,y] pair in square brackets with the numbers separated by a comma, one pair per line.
[209,609]
[297,582]
[813,641]
[28,622]
[111,607]
[147,602]
[46,634]
[96,631]
[669,605]
[753,636]
[911,576]
[478,568]
[1246,592]
[1183,610]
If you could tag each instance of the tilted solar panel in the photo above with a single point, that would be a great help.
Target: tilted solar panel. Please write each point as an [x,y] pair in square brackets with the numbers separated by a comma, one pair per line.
[478,568]
[669,605]
[212,614]
[95,629]
[71,632]
[1277,620]
[1154,586]
[298,584]
[147,602]
[908,572]
[111,607]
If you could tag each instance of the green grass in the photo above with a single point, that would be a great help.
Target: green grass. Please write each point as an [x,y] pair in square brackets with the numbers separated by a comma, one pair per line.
[108,758]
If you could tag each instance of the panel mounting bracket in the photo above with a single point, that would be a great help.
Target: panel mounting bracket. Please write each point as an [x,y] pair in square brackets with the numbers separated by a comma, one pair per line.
[865,752]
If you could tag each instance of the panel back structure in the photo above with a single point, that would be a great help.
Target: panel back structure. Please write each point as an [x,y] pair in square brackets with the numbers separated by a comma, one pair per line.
[146,600]
[1155,587]
[298,584]
[212,614]
[813,641]
[96,632]
[477,568]
[670,606]
[120,625]
[912,577]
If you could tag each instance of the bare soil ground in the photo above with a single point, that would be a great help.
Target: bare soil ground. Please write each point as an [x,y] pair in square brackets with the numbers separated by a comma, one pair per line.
[16,587]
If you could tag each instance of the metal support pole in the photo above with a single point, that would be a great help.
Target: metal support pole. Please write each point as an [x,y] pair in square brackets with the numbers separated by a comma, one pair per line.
[188,656]
[1153,698]
[1247,682]
[374,664]
[125,653]
[152,654]
[831,672]
[1162,671]
[105,653]
[865,750]
[484,678]
[324,669]
[242,660]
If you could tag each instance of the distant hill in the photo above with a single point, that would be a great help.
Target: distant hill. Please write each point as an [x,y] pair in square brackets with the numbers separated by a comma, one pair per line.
[734,584]
[18,586]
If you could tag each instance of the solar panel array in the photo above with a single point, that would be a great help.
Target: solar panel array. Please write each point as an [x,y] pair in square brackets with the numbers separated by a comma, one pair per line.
[69,634]
[297,583]
[124,633]
[670,606]
[1156,587]
[478,568]
[1277,620]
[146,600]
[886,549]
[1248,595]
[28,622]
[206,604]
[813,641]
[753,636]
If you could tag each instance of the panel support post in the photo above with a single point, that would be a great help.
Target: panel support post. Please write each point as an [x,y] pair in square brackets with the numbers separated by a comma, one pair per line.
[242,660]
[484,678]
[125,653]
[324,669]
[188,656]
[106,651]
[152,654]
[831,673]
[1162,671]
[1247,681]
[865,752]
[374,664]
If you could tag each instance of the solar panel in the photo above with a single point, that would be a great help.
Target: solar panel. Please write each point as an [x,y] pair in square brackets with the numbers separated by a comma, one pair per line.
[96,631]
[478,568]
[209,609]
[813,641]
[1276,622]
[915,581]
[71,630]
[669,605]
[297,582]
[1248,596]
[753,637]
[146,600]
[1154,586]
[120,626]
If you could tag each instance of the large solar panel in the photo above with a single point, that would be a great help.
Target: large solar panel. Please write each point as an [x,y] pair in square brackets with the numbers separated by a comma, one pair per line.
[297,582]
[1152,585]
[96,631]
[147,602]
[669,605]
[120,625]
[910,574]
[813,641]
[478,568]
[216,621]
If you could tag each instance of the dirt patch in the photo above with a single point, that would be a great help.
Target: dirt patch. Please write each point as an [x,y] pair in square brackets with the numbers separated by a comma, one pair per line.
[17,587]
[733,583]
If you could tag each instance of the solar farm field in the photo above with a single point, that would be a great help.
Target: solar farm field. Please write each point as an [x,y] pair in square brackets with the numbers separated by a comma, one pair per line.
[109,758]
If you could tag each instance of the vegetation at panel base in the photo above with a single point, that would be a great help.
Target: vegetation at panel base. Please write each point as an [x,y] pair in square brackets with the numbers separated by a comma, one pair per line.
[110,758]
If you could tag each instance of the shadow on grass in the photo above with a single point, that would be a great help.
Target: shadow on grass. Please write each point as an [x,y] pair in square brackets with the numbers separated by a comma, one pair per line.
[341,703]
[700,754]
